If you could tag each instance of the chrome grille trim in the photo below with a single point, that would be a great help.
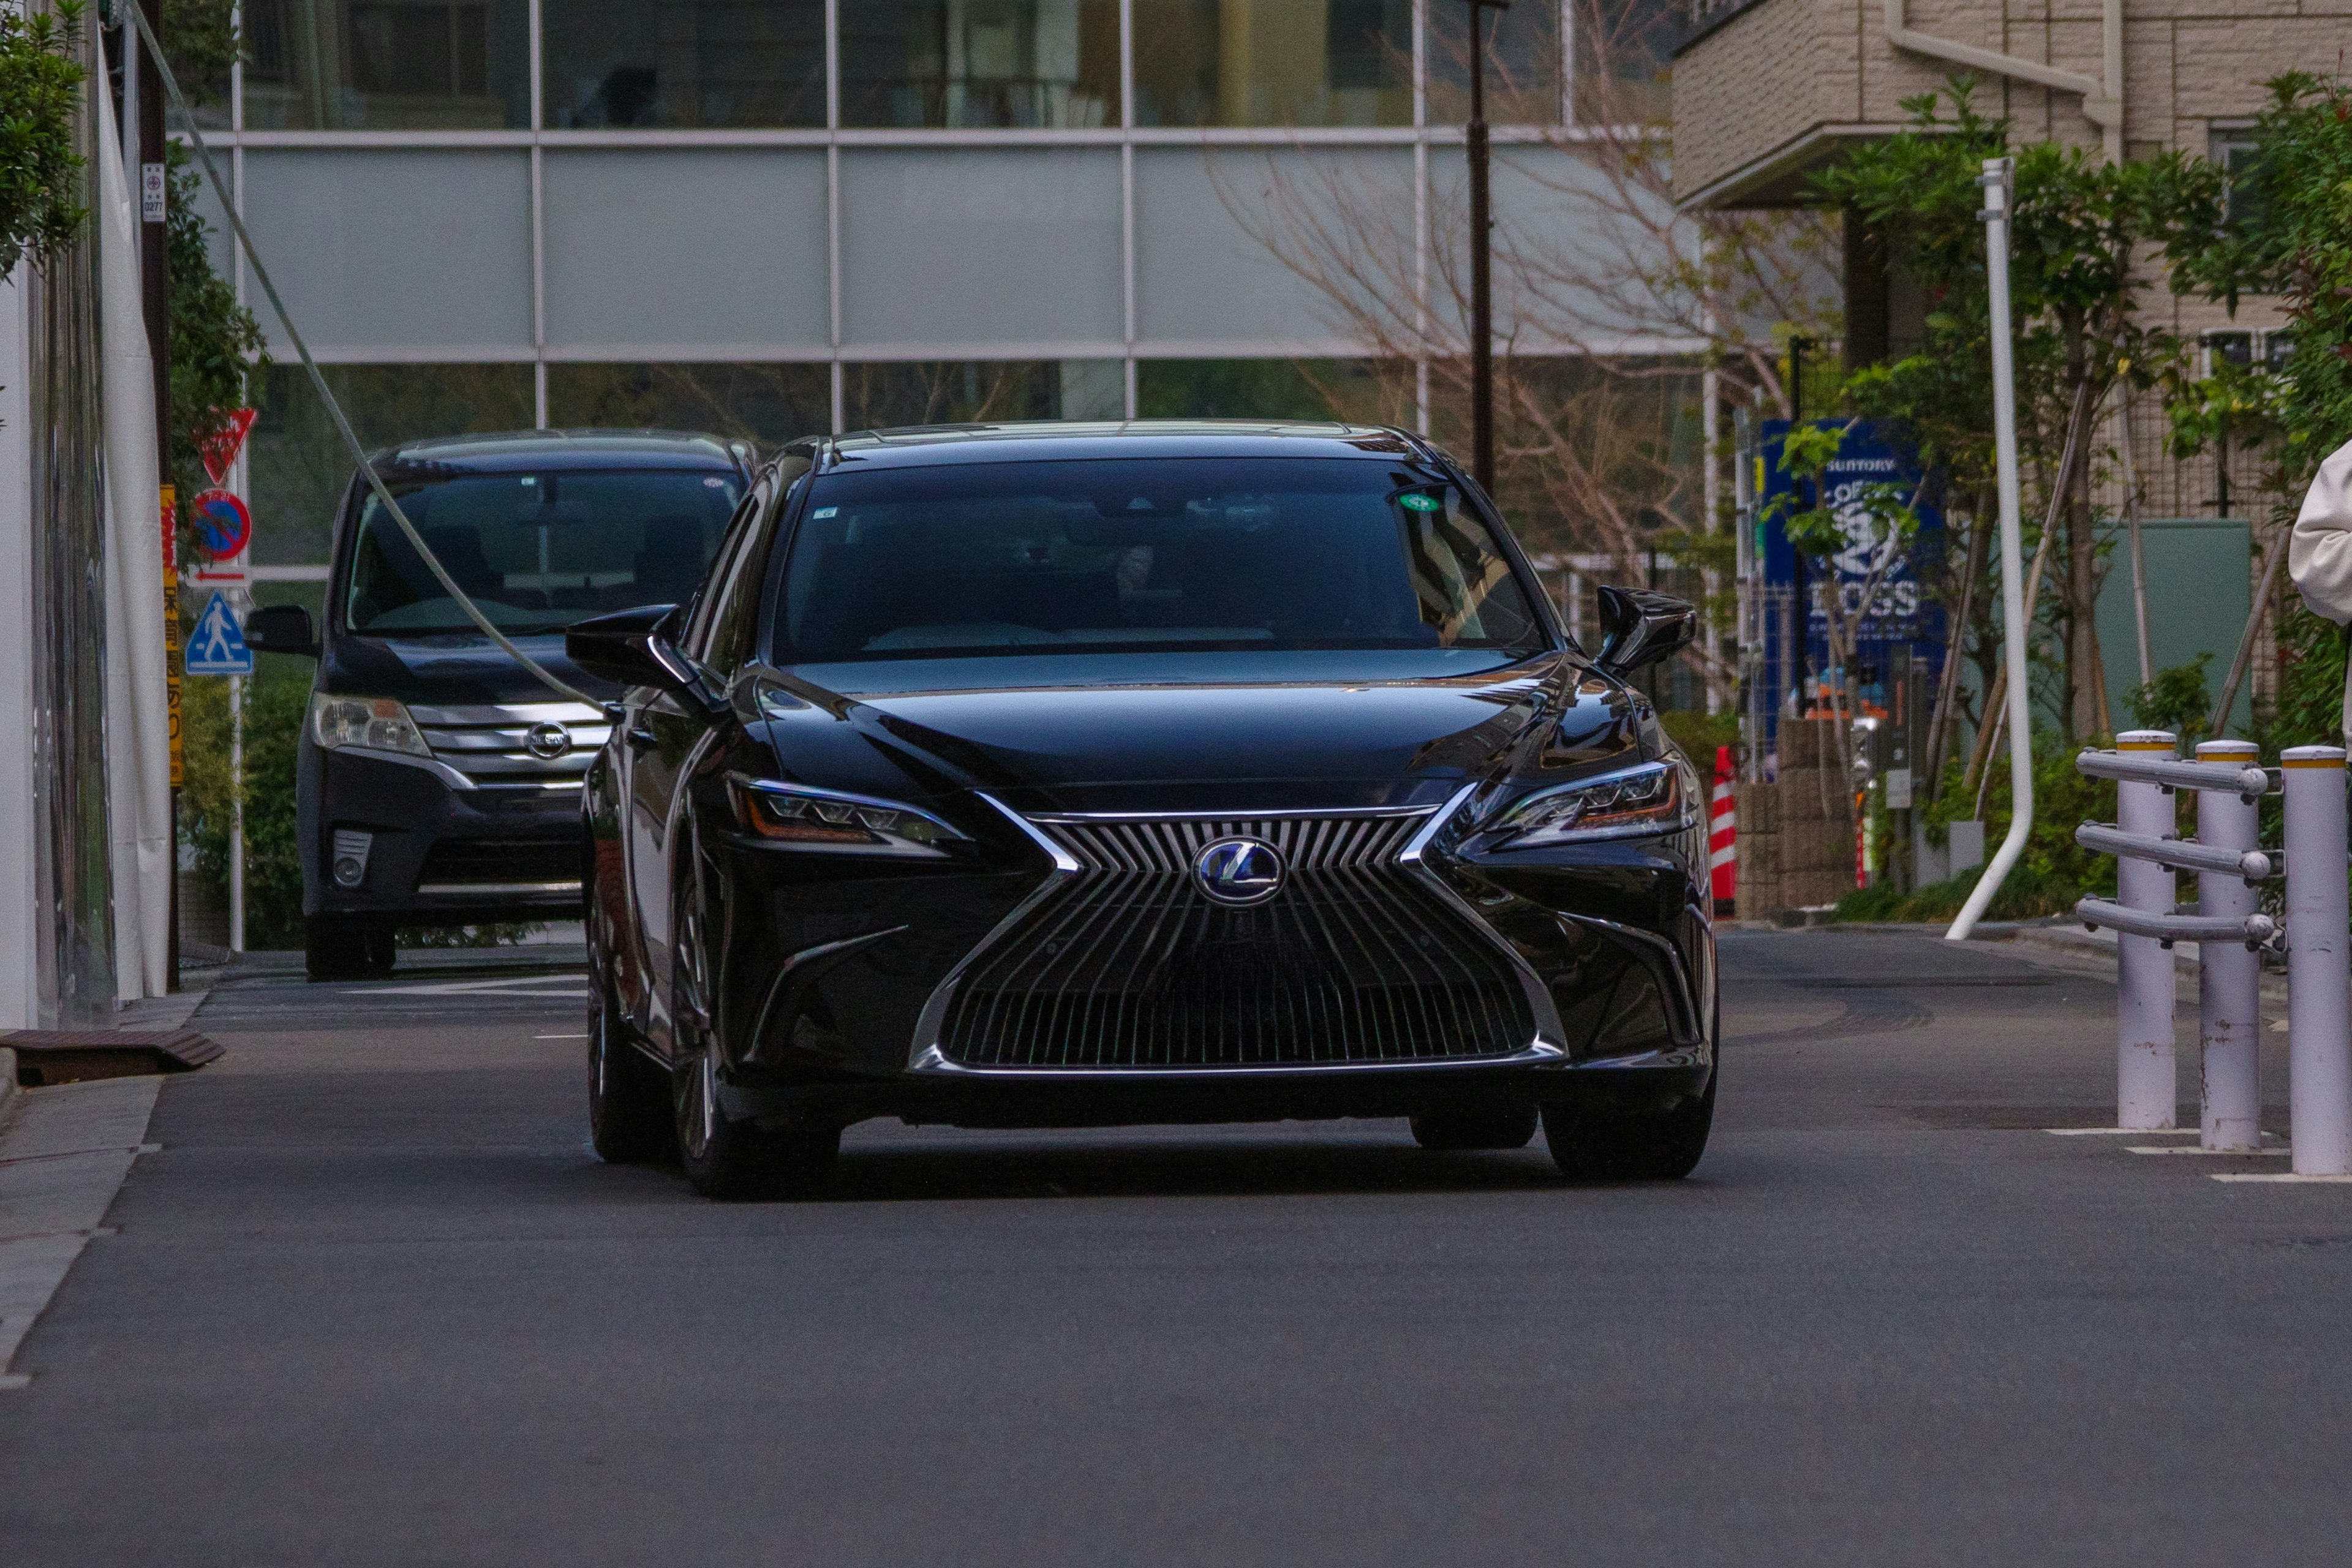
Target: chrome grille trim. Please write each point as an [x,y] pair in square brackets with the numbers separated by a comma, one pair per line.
[1119,964]
[484,741]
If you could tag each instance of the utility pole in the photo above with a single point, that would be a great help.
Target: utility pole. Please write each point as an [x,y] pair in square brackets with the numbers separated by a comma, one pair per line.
[154,281]
[1482,268]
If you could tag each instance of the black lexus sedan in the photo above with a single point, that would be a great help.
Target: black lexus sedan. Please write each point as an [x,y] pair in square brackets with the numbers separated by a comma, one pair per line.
[1086,775]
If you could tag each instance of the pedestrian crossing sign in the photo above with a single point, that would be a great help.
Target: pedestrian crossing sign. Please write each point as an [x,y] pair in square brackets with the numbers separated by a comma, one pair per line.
[217,645]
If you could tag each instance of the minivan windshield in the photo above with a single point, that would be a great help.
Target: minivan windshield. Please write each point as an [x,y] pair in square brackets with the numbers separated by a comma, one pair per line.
[536,551]
[1164,554]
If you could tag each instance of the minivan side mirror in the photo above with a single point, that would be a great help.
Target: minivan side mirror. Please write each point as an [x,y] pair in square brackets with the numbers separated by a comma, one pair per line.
[632,647]
[1639,627]
[281,628]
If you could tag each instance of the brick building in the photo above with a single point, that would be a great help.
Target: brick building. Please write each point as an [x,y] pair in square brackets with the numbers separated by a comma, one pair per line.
[1766,92]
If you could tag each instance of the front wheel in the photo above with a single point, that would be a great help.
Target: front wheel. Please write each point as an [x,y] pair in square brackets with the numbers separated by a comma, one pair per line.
[346,947]
[1650,1146]
[726,1157]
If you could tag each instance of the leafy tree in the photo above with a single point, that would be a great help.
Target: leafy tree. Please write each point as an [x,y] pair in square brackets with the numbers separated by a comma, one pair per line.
[2081,232]
[215,342]
[2290,235]
[273,710]
[40,83]
[2178,700]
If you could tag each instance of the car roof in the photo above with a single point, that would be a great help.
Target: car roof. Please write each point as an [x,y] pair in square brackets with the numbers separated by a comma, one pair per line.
[508,451]
[916,446]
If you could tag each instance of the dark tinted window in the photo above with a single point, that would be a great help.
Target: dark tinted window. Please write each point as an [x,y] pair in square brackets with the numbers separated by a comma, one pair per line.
[536,552]
[735,614]
[1272,554]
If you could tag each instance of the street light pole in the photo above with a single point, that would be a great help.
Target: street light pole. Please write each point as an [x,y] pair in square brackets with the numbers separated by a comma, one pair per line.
[1482,284]
[1997,182]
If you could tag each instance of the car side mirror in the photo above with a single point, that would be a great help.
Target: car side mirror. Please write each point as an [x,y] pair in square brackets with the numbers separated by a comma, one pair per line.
[281,628]
[632,647]
[1639,627]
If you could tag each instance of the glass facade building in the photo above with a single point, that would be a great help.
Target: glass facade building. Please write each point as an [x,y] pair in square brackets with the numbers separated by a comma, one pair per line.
[763,217]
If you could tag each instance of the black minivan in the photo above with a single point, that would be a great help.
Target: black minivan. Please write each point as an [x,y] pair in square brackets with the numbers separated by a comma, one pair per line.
[439,781]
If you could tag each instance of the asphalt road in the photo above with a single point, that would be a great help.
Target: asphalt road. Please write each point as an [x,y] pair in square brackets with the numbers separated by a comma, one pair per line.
[375,1302]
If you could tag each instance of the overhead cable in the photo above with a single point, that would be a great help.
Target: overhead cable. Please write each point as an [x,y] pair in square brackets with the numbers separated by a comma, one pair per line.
[335,409]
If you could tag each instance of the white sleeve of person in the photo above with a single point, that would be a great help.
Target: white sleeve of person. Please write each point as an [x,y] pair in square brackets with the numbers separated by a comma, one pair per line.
[2319,552]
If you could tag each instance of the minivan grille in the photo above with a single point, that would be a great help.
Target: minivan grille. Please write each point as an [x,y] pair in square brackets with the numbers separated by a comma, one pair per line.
[500,862]
[491,743]
[1128,963]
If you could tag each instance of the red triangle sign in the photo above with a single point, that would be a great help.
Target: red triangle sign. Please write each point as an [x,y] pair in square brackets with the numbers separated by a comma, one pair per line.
[220,445]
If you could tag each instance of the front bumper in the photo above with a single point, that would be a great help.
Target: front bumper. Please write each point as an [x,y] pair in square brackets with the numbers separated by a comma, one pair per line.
[437,854]
[840,977]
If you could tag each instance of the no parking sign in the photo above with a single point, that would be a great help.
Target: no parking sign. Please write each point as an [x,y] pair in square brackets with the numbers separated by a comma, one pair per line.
[223,528]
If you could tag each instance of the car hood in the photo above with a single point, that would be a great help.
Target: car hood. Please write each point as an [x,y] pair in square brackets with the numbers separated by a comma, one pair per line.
[1299,733]
[453,671]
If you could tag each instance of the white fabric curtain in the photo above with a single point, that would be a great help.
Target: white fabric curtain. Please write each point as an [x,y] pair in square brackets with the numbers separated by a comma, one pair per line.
[138,713]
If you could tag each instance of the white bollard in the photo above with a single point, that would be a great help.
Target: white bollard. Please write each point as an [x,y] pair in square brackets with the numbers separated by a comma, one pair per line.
[2320,1011]
[2229,975]
[2146,1085]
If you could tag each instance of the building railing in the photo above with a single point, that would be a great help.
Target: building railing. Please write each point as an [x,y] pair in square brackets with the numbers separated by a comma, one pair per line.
[2231,932]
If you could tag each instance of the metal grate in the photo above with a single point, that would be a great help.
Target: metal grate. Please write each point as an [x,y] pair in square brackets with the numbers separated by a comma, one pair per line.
[1129,964]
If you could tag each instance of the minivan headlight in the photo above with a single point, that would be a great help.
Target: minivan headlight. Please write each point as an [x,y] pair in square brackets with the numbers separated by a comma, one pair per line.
[801,817]
[1627,805]
[378,723]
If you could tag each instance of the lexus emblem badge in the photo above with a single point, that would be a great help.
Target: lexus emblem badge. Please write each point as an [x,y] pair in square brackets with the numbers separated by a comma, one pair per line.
[1238,871]
[547,741]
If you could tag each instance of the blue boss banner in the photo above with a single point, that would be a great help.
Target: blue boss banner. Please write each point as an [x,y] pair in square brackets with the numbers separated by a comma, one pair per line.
[1900,611]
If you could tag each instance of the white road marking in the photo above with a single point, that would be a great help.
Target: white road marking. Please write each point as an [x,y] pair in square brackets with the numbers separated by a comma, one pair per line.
[517,985]
[2277,1153]
[2275,1176]
[559,1036]
[2121,1131]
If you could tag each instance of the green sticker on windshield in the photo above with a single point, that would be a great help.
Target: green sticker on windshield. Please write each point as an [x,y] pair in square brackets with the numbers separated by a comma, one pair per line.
[1415,501]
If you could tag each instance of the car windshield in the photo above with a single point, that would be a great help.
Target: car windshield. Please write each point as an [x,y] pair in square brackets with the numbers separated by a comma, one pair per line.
[1264,553]
[536,552]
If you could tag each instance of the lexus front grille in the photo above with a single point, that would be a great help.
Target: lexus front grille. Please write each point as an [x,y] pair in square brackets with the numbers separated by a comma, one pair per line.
[1128,963]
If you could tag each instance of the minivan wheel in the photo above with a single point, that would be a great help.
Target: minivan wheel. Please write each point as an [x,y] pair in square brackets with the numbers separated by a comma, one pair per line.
[346,947]
[628,1096]
[1651,1146]
[725,1157]
[1484,1127]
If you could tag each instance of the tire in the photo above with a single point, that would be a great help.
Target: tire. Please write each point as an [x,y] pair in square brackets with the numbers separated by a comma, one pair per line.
[347,947]
[1484,1127]
[1655,1146]
[629,1117]
[731,1159]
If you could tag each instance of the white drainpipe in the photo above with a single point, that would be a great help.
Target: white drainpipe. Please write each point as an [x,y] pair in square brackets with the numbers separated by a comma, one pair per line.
[2103,105]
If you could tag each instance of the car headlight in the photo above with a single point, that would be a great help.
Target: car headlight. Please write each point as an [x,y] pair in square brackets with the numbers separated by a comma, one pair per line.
[1637,800]
[379,723]
[801,816]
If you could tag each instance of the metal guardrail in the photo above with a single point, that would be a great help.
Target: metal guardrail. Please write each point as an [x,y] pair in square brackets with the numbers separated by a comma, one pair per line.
[2180,854]
[2168,929]
[2129,768]
[2229,929]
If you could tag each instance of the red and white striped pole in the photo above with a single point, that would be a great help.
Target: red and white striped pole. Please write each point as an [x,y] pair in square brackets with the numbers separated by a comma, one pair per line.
[1723,836]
